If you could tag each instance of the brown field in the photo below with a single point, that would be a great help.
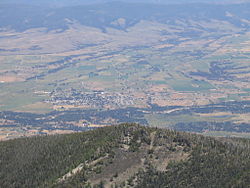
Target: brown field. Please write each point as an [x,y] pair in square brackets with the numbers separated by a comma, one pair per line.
[9,79]
[38,107]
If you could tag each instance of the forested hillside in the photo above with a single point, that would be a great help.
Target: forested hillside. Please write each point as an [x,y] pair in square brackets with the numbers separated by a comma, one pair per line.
[127,155]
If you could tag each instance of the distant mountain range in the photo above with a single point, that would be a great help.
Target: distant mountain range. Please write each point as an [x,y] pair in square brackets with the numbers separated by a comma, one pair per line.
[104,15]
[79,2]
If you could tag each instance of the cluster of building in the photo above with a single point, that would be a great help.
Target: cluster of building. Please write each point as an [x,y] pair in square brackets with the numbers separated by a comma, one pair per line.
[94,99]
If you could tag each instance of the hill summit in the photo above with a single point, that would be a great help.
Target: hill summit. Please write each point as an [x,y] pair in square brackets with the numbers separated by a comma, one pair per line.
[127,155]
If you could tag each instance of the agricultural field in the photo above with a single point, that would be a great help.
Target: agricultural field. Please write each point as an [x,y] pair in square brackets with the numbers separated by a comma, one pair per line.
[147,75]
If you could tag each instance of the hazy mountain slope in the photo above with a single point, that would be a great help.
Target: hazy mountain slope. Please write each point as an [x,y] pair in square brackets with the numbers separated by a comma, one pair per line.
[125,155]
[79,2]
[105,15]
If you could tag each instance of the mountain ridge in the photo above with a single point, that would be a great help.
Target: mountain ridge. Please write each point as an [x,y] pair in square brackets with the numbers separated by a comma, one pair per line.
[105,15]
[59,3]
[127,155]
